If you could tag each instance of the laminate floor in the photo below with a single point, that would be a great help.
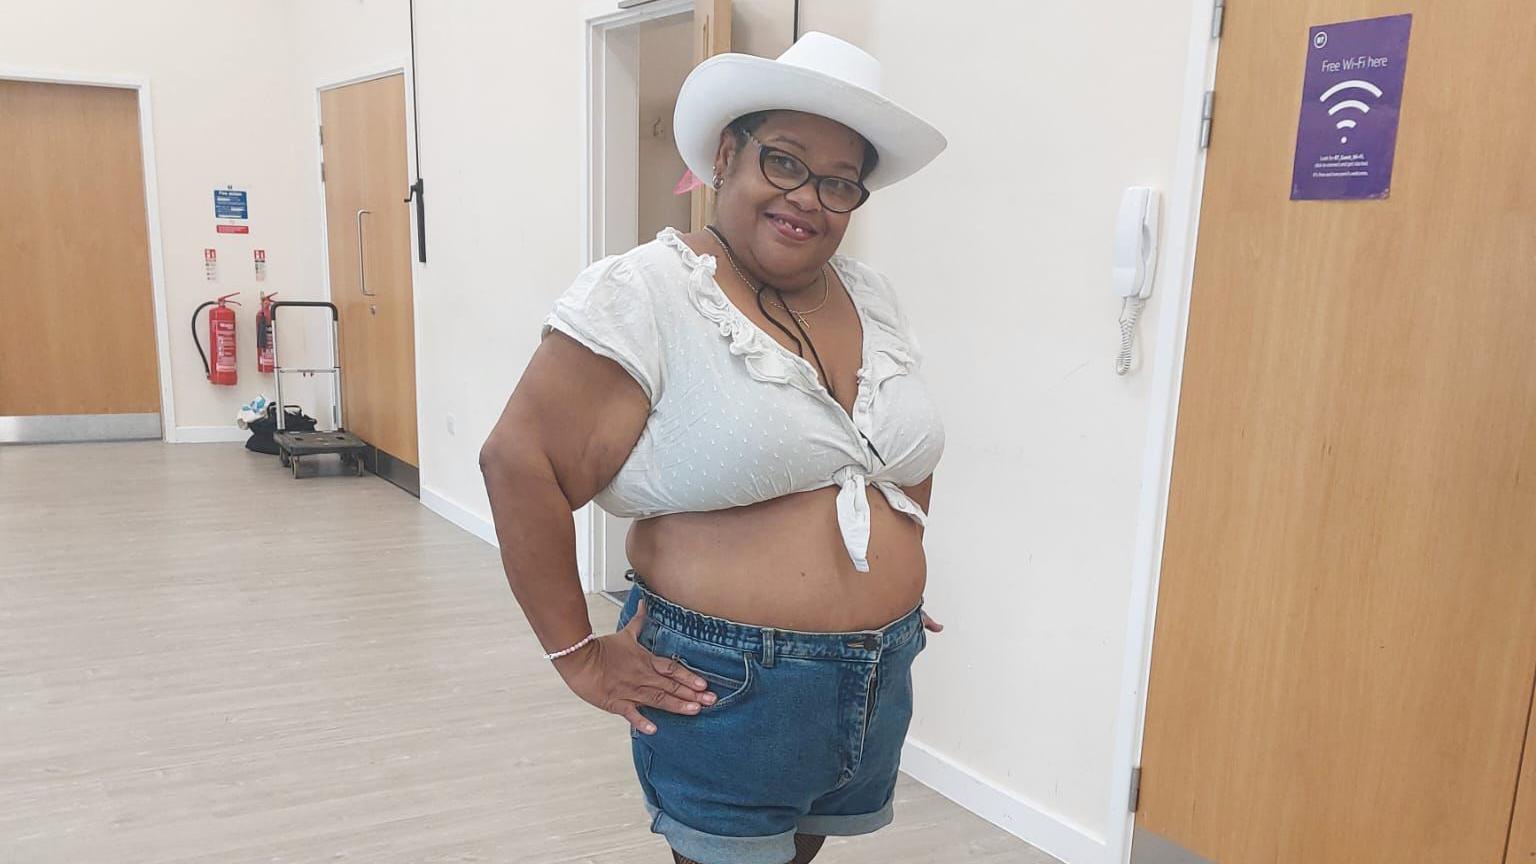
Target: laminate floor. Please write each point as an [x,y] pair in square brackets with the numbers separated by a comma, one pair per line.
[204,660]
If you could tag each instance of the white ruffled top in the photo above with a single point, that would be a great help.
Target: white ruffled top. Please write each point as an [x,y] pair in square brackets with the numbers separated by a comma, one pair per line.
[736,418]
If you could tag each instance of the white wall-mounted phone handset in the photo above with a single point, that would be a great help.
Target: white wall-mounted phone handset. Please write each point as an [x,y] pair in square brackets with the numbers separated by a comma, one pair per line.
[1136,242]
[1135,263]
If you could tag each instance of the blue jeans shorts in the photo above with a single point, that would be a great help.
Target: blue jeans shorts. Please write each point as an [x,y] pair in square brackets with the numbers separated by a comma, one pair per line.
[805,734]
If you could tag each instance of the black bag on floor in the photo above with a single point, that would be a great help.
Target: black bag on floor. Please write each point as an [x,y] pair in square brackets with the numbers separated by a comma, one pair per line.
[263,428]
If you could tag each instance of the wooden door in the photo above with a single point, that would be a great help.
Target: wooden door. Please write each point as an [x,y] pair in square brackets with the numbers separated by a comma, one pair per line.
[76,298]
[712,35]
[368,230]
[1346,628]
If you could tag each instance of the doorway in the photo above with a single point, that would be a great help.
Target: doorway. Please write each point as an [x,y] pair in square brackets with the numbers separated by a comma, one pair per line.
[1345,644]
[639,62]
[365,173]
[80,360]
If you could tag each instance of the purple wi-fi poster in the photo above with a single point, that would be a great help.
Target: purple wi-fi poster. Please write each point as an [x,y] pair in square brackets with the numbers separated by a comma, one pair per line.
[1350,102]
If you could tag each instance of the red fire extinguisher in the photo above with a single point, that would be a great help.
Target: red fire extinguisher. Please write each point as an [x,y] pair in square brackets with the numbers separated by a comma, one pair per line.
[264,360]
[221,338]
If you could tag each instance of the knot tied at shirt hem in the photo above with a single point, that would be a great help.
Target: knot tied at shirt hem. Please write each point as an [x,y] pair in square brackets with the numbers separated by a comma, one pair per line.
[853,517]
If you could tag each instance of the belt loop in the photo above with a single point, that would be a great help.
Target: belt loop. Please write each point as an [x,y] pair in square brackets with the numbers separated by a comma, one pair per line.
[768,647]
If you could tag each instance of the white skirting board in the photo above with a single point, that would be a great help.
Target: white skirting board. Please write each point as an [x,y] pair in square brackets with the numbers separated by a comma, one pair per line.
[485,529]
[1045,831]
[1055,835]
[474,524]
[210,435]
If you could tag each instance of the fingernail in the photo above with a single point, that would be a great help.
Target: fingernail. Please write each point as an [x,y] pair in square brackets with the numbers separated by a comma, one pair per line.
[649,728]
[698,684]
[693,706]
[708,697]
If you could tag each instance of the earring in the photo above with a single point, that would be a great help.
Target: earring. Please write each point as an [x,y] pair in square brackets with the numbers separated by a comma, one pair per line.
[716,181]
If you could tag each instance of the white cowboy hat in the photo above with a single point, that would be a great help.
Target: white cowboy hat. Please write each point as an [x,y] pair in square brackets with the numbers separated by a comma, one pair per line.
[819,74]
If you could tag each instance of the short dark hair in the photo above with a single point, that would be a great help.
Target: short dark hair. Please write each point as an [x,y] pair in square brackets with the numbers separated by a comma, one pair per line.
[749,123]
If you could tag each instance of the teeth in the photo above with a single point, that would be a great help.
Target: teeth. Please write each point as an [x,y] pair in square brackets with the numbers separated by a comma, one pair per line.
[795,228]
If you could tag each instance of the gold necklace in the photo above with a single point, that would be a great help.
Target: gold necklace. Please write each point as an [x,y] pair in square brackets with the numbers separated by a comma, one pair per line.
[826,290]
[801,313]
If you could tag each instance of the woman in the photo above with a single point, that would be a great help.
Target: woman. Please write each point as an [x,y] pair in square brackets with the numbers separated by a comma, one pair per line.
[756,402]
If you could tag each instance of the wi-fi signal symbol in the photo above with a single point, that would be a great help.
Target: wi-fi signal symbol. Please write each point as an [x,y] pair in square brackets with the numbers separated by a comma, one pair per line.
[1346,123]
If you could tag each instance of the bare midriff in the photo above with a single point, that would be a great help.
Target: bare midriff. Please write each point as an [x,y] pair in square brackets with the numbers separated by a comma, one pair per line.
[782,563]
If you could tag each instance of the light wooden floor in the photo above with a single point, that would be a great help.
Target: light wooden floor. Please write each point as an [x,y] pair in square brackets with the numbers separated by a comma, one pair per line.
[204,660]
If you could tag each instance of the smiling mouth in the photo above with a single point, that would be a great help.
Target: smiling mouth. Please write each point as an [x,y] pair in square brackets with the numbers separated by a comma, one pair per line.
[789,228]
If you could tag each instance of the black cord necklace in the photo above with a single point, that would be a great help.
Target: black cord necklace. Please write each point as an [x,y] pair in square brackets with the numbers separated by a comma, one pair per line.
[758,292]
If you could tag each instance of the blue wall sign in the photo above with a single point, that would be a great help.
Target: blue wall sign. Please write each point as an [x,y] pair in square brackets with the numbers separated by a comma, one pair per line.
[230,204]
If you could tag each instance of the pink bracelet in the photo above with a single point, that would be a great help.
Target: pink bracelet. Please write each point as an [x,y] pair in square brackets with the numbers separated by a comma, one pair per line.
[589,638]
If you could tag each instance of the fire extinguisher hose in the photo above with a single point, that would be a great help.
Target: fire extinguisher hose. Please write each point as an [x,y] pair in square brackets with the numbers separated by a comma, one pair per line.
[263,329]
[198,342]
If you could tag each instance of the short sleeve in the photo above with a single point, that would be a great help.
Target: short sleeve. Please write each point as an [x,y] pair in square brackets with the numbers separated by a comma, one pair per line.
[608,309]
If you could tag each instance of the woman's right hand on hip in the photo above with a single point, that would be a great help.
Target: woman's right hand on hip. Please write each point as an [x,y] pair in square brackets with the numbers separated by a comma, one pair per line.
[617,674]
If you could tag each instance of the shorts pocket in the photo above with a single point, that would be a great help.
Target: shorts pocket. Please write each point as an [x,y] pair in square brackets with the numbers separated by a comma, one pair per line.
[728,670]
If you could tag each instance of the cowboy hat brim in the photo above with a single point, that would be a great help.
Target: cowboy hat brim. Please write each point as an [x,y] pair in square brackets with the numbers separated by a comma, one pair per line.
[727,86]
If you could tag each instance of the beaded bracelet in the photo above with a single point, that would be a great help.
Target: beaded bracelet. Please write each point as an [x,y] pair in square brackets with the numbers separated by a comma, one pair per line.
[589,638]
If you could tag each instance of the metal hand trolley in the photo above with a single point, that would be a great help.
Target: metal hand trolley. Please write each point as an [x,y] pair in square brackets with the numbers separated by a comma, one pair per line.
[293,446]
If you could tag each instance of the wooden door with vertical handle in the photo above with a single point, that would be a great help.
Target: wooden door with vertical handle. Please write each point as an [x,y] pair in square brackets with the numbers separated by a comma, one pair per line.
[368,231]
[1346,620]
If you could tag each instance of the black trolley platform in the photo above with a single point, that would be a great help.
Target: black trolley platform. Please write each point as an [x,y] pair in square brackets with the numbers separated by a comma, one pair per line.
[293,447]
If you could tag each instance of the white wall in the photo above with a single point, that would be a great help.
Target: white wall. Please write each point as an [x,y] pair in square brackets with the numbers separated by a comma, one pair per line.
[218,76]
[1001,250]
[502,108]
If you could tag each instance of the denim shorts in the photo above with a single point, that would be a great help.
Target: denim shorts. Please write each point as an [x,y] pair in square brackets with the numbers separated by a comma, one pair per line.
[805,734]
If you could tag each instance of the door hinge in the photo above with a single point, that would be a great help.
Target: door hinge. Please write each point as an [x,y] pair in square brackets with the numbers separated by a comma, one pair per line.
[1218,18]
[1207,115]
[322,172]
[322,135]
[1135,788]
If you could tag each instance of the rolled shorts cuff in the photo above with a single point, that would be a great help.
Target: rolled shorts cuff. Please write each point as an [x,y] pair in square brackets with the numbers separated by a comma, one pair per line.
[847,826]
[716,849]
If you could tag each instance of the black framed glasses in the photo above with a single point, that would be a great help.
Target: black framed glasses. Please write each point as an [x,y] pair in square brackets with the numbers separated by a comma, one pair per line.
[787,173]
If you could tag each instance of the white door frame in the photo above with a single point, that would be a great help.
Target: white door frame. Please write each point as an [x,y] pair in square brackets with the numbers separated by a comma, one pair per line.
[1177,283]
[600,19]
[152,216]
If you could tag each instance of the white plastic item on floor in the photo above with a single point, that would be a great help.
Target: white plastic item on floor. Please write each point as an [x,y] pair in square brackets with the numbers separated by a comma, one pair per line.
[251,411]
